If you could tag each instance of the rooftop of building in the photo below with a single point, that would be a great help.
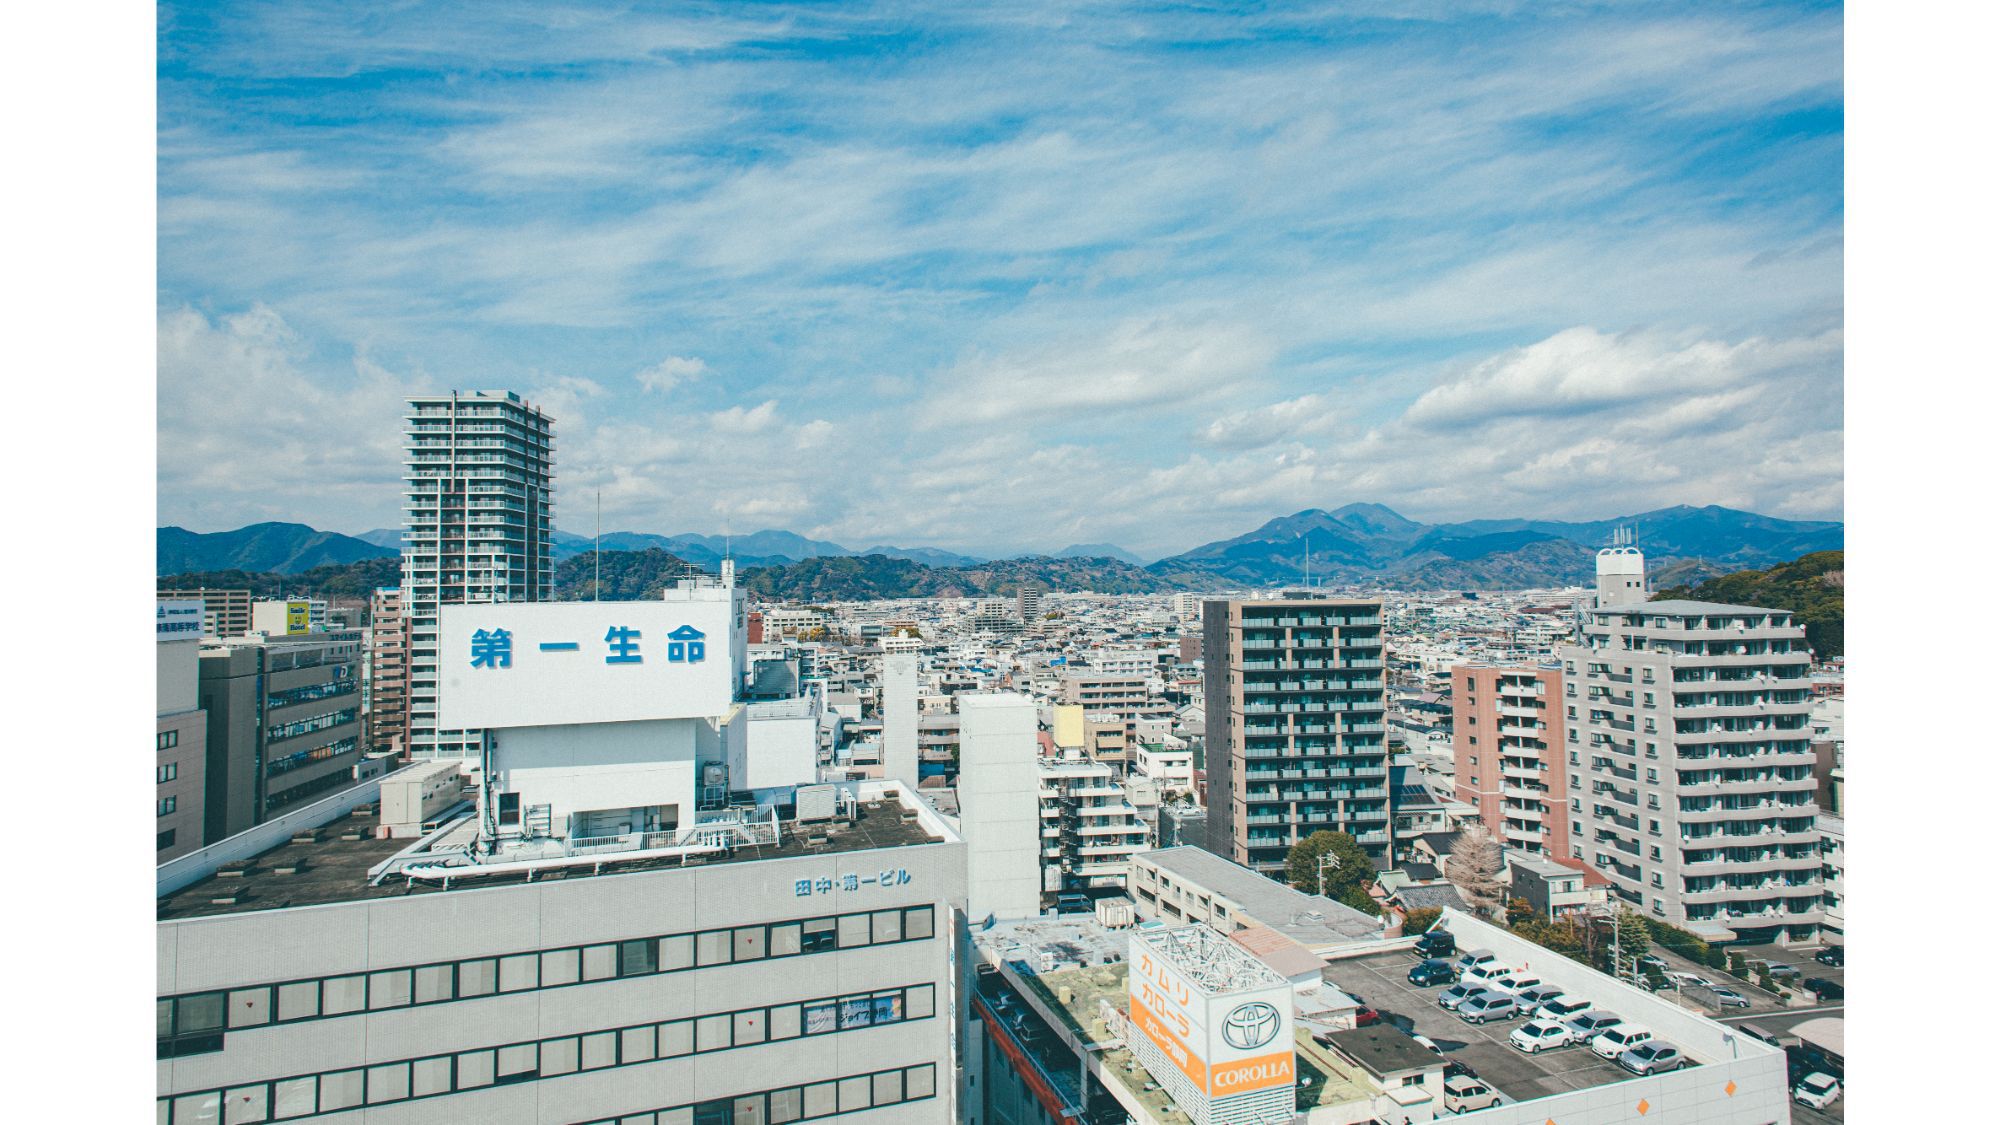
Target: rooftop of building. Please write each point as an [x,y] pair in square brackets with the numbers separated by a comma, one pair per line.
[1677,607]
[1313,920]
[332,862]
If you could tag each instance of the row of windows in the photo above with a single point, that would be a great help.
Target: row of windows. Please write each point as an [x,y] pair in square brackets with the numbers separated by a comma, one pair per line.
[194,1023]
[340,685]
[308,1094]
[333,780]
[798,1103]
[280,731]
[332,749]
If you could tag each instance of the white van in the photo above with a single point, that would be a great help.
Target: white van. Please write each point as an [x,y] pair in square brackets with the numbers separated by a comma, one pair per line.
[1619,1040]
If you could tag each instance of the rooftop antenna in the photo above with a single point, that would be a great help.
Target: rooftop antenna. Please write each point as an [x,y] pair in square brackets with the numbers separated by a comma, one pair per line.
[597,553]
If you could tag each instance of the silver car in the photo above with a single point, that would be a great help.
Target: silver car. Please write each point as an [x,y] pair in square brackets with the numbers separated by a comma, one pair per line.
[1593,1023]
[1488,1005]
[1457,994]
[1652,1057]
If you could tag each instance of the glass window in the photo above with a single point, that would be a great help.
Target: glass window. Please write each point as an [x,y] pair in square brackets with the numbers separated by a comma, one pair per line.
[683,1115]
[784,1021]
[784,940]
[205,1108]
[200,1012]
[888,1087]
[339,1090]
[819,935]
[888,926]
[558,1056]
[517,972]
[917,922]
[920,1081]
[713,1112]
[250,1007]
[478,978]
[388,1083]
[475,1068]
[712,948]
[676,1039]
[786,1105]
[853,930]
[515,1063]
[711,1033]
[389,989]
[430,1076]
[637,1119]
[749,943]
[637,958]
[749,1110]
[600,1050]
[432,984]
[857,1011]
[294,1097]
[820,1099]
[822,1017]
[920,999]
[749,1027]
[636,1044]
[163,1012]
[600,962]
[298,1001]
[560,966]
[676,953]
[246,1105]
[343,994]
[887,1007]
[853,1094]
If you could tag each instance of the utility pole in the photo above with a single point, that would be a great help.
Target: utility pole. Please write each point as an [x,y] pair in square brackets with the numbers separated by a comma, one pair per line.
[1326,861]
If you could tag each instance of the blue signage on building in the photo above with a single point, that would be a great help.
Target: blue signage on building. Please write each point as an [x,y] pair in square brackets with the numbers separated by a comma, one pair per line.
[493,649]
[686,645]
[825,885]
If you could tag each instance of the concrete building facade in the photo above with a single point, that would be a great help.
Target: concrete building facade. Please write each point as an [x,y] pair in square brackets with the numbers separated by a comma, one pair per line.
[1509,756]
[386,683]
[999,805]
[1295,734]
[477,512]
[225,613]
[1691,767]
[284,725]
[180,732]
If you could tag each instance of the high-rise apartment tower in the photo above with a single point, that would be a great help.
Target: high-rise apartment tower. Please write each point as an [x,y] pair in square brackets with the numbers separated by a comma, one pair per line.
[1295,696]
[477,511]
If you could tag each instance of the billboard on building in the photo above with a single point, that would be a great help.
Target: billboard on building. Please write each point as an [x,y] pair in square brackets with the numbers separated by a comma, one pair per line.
[556,663]
[298,618]
[1229,1040]
[178,621]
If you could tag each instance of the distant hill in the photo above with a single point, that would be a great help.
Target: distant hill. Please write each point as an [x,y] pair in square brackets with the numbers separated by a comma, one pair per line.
[846,578]
[349,580]
[1099,551]
[929,556]
[389,537]
[1812,587]
[1369,543]
[276,548]
[628,575]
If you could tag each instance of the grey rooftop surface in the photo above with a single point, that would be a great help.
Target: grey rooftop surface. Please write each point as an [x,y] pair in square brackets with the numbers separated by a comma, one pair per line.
[333,866]
[1383,1049]
[1685,608]
[1309,919]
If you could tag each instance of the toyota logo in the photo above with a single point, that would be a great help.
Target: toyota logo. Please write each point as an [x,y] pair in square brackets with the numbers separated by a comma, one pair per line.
[1250,1026]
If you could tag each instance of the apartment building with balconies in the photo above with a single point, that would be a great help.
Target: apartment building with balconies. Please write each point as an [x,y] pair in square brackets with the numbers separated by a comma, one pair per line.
[477,511]
[1508,756]
[1690,766]
[1295,730]
[386,678]
[1090,828]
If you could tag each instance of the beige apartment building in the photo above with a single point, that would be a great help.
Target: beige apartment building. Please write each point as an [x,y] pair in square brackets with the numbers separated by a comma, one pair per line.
[387,679]
[1295,695]
[225,613]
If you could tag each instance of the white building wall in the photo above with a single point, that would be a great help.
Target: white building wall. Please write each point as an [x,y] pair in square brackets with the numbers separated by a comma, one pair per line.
[899,717]
[598,766]
[781,749]
[999,807]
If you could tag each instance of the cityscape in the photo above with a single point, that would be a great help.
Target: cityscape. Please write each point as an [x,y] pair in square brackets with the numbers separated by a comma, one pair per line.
[1105,565]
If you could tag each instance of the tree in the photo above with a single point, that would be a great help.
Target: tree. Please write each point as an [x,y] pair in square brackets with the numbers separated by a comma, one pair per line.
[1519,911]
[1359,898]
[1474,869]
[1350,866]
[1634,939]
[1420,918]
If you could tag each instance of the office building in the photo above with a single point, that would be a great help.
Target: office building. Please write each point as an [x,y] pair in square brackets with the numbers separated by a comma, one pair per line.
[478,504]
[225,613]
[1509,754]
[284,725]
[1691,766]
[1029,604]
[180,732]
[1294,732]
[386,682]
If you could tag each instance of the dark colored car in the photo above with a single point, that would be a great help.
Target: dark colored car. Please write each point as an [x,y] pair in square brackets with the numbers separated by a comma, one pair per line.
[1437,943]
[1434,971]
[1832,955]
[1824,989]
[1455,1069]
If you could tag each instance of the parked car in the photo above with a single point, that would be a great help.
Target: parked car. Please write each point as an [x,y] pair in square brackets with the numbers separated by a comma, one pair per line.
[1540,1035]
[1817,1090]
[1437,943]
[1832,955]
[1538,995]
[1427,1043]
[1563,1009]
[1619,1040]
[1473,957]
[1484,973]
[1729,997]
[1650,961]
[1593,1023]
[1455,1069]
[1690,980]
[1515,983]
[1784,974]
[1458,994]
[1366,1016]
[1465,1094]
[1433,972]
[1488,1006]
[1824,989]
[1652,1057]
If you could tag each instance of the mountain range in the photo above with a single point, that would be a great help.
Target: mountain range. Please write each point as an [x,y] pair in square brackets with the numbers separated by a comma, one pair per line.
[1356,544]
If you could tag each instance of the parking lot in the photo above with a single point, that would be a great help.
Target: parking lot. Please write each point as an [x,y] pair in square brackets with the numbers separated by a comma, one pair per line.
[1382,982]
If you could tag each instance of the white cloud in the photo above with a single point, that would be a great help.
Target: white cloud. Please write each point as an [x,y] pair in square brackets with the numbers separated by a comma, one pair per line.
[671,372]
[738,420]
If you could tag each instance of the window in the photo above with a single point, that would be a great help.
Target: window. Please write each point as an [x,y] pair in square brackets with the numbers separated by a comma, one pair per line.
[343,994]
[167,805]
[298,1001]
[560,967]
[478,978]
[558,1056]
[166,772]
[249,1007]
[712,948]
[749,943]
[853,931]
[432,984]
[517,972]
[676,953]
[164,840]
[784,939]
[711,1033]
[636,1044]
[600,962]
[167,740]
[819,935]
[636,958]
[515,1064]
[599,1050]
[389,989]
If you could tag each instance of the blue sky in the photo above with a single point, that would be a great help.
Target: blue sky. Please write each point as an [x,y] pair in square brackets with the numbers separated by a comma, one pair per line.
[1008,277]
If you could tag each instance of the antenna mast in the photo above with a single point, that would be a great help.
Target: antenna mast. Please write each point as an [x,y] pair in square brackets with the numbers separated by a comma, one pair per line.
[597,553]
